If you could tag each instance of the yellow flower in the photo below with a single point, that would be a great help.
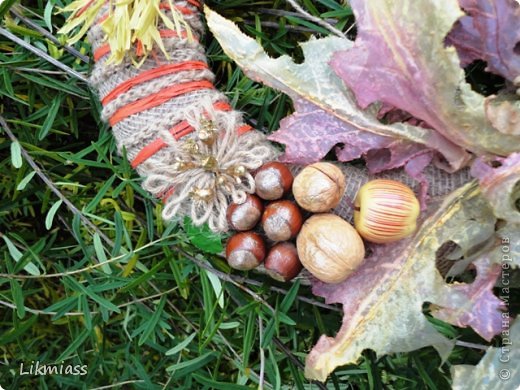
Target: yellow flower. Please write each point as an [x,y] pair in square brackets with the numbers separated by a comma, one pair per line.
[128,22]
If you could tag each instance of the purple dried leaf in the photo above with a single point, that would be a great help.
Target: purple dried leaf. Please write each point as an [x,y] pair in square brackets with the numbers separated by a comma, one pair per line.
[382,301]
[474,304]
[415,168]
[400,59]
[489,32]
[466,39]
[310,133]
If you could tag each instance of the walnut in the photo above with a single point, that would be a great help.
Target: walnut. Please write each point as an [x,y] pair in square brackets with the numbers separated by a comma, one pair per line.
[319,187]
[329,248]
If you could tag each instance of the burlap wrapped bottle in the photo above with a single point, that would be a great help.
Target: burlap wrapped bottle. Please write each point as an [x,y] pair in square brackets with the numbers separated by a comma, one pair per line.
[179,132]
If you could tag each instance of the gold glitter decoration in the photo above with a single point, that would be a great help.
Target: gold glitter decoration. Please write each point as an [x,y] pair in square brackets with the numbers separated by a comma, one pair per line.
[202,194]
[221,180]
[208,132]
[239,170]
[178,166]
[190,146]
[209,163]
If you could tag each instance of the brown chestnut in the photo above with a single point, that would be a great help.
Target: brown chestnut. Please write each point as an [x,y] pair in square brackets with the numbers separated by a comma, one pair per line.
[245,216]
[282,220]
[273,180]
[282,262]
[245,251]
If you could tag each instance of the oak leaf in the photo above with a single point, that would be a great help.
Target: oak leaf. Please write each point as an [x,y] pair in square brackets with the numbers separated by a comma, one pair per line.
[326,110]
[400,58]
[383,300]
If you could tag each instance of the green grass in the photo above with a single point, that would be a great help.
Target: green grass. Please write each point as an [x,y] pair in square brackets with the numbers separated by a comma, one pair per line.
[141,303]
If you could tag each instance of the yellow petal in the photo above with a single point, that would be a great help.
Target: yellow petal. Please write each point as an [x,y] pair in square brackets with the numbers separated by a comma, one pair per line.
[128,21]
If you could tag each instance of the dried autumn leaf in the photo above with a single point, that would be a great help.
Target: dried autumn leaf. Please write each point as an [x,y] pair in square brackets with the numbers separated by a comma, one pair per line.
[474,312]
[498,369]
[400,58]
[310,133]
[504,114]
[383,300]
[326,111]
[501,186]
[489,32]
[466,39]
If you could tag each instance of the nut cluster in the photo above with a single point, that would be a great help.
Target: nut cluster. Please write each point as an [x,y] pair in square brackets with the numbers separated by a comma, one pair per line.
[329,247]
[277,221]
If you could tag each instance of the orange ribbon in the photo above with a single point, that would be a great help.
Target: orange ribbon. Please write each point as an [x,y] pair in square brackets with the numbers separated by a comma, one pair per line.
[158,99]
[153,74]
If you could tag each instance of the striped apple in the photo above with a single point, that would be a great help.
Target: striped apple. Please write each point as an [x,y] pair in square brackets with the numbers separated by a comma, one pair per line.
[385,211]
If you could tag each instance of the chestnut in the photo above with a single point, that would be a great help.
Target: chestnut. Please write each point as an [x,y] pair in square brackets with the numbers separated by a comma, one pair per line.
[282,220]
[273,180]
[245,216]
[282,262]
[245,251]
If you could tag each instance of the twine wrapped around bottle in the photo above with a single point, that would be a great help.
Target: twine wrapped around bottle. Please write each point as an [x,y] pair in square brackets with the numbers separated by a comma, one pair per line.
[180,133]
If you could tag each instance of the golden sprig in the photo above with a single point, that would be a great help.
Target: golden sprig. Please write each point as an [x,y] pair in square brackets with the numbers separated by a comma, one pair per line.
[128,22]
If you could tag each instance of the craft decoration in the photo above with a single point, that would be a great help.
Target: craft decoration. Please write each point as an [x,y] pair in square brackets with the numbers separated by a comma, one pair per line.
[196,153]
[180,133]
